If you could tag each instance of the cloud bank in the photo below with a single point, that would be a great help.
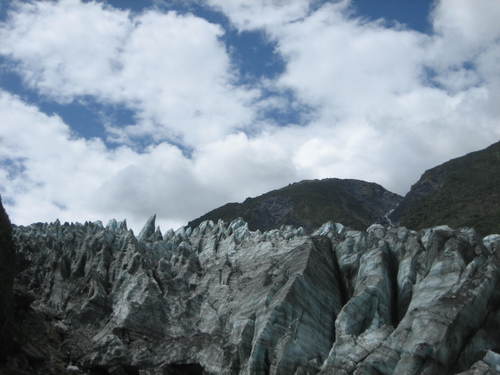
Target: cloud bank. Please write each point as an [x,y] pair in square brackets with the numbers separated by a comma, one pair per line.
[384,104]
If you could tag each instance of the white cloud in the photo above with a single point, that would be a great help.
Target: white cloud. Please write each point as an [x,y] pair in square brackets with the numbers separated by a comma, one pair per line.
[349,67]
[378,113]
[58,175]
[465,29]
[257,14]
[172,69]
[238,166]
[66,48]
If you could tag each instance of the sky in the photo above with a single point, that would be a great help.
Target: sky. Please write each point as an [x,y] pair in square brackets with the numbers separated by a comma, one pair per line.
[122,109]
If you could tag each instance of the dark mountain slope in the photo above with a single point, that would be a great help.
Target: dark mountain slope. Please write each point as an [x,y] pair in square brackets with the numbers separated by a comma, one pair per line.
[461,192]
[7,273]
[309,204]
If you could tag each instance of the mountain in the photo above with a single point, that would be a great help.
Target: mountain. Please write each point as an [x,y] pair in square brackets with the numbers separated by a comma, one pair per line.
[309,204]
[461,192]
[222,299]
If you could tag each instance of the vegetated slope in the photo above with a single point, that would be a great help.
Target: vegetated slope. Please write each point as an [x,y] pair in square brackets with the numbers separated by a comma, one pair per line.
[309,204]
[461,192]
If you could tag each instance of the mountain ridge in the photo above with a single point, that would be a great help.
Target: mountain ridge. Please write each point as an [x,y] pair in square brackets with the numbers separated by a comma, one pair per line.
[464,191]
[310,203]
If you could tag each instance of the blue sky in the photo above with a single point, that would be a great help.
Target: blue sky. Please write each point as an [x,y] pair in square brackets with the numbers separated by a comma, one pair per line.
[115,109]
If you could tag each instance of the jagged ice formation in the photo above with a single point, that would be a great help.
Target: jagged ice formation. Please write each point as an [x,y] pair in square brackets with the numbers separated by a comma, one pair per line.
[221,299]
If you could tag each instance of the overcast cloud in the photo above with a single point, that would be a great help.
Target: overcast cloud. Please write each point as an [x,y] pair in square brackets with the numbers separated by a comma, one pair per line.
[384,104]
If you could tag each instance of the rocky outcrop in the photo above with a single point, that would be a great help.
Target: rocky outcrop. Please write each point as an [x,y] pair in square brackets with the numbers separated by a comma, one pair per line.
[309,204]
[7,273]
[222,299]
[461,192]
